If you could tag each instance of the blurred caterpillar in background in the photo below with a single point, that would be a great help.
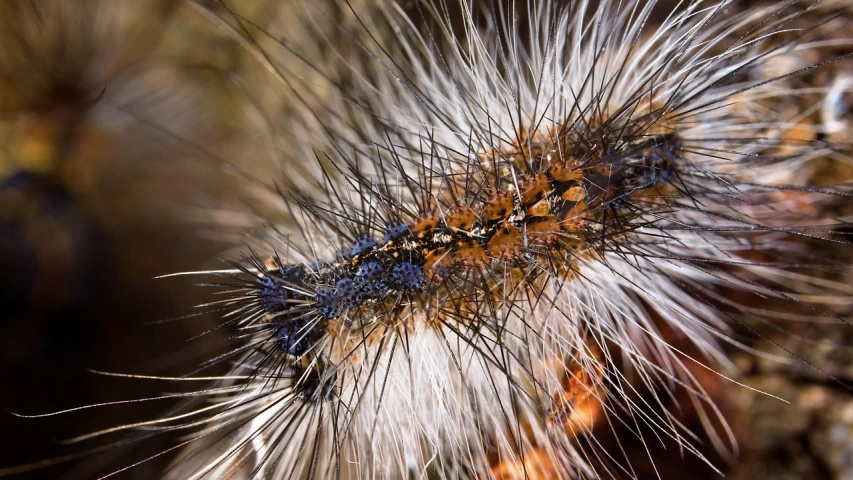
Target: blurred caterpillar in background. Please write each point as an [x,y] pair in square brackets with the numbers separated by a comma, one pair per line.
[89,209]
[518,237]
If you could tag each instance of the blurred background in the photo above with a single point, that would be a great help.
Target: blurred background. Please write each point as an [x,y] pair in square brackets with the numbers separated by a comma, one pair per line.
[111,114]
[130,133]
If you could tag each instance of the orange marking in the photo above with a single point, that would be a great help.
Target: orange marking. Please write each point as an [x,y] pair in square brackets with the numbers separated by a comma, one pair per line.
[469,254]
[461,217]
[532,187]
[424,224]
[543,232]
[575,218]
[574,194]
[506,243]
[542,208]
[497,206]
[565,172]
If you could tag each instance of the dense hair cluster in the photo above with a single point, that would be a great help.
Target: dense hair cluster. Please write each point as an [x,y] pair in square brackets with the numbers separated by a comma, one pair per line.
[527,227]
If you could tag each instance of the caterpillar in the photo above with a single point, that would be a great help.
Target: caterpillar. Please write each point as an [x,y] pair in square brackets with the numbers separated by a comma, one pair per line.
[526,233]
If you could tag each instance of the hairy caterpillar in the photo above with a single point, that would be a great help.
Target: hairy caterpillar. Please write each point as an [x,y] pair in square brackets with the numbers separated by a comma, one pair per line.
[521,222]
